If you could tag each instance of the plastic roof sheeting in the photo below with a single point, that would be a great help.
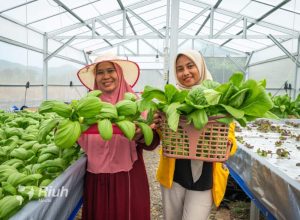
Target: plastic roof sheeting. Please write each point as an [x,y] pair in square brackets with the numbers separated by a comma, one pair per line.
[148,18]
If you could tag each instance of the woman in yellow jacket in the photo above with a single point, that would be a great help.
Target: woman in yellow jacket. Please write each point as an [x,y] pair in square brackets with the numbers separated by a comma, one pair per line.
[189,187]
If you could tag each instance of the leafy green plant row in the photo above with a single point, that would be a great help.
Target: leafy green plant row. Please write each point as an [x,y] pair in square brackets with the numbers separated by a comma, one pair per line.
[285,107]
[239,100]
[27,164]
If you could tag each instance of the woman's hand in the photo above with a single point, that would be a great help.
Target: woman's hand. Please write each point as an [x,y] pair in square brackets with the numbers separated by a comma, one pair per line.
[138,134]
[156,124]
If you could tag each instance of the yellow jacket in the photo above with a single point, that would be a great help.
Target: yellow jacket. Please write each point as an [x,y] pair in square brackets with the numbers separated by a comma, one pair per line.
[166,169]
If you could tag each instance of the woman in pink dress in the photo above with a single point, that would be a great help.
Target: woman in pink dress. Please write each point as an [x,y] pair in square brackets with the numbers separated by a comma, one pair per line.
[116,185]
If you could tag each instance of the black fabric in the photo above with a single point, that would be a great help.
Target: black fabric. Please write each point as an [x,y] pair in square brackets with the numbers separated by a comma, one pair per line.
[183,175]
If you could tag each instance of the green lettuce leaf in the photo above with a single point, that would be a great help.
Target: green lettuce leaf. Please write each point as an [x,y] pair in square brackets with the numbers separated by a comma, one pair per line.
[237,100]
[270,115]
[170,91]
[257,102]
[198,118]
[233,111]
[153,93]
[237,79]
[173,116]
[209,84]
[212,97]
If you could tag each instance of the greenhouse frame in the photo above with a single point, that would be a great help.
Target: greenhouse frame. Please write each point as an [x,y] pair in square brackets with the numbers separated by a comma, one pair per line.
[44,43]
[44,37]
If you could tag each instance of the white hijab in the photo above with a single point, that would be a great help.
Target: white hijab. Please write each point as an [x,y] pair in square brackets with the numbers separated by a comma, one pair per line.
[197,58]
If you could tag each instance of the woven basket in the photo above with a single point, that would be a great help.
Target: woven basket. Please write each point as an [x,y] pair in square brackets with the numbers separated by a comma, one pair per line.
[209,144]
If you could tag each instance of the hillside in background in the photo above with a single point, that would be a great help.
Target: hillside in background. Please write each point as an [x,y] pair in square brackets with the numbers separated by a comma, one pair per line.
[18,74]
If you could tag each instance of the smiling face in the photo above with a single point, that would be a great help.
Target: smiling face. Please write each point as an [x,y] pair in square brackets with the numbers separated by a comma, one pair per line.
[186,71]
[106,77]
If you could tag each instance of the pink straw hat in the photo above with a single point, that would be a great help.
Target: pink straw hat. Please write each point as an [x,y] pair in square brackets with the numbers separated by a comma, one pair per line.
[131,70]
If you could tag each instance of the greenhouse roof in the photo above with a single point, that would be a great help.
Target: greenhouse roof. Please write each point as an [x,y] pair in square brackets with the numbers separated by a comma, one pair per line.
[97,25]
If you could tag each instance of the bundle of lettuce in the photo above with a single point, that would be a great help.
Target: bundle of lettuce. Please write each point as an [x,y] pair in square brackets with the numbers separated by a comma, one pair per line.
[239,100]
[285,107]
[76,117]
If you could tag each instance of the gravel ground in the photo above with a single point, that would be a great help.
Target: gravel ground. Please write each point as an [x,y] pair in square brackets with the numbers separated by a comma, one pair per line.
[151,161]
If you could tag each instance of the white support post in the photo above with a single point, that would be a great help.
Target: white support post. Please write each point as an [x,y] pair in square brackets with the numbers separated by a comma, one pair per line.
[173,38]
[245,28]
[124,23]
[166,48]
[45,67]
[296,83]
[247,65]
[211,33]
